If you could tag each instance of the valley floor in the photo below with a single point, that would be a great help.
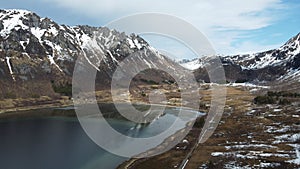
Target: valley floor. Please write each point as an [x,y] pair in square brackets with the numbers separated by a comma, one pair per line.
[252,136]
[248,136]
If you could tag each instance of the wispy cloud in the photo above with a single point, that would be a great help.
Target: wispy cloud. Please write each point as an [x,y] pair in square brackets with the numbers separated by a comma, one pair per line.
[223,22]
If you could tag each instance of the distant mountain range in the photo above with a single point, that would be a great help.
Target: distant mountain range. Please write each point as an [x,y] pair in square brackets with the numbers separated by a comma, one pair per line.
[277,65]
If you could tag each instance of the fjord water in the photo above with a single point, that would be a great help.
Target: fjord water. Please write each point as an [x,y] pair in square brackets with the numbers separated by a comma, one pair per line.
[61,143]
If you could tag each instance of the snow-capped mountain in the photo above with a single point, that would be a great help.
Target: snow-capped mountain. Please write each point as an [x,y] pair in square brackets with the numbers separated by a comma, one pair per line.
[277,57]
[273,65]
[35,49]
[36,52]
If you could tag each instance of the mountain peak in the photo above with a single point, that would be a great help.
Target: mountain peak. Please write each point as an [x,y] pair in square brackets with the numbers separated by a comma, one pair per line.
[292,46]
[295,40]
[14,19]
[15,11]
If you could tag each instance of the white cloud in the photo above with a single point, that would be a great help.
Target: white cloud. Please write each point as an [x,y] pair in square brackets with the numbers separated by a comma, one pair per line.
[221,21]
[248,47]
[172,48]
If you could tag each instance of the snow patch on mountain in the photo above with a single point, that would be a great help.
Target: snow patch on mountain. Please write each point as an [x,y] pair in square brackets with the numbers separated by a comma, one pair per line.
[12,19]
[10,68]
[191,64]
[52,62]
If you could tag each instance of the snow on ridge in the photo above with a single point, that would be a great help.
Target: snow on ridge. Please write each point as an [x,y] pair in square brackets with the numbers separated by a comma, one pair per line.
[192,65]
[11,20]
[94,48]
[23,11]
[268,58]
[131,43]
[38,33]
[92,45]
[137,44]
[24,42]
[291,74]
[112,57]
[52,62]
[53,31]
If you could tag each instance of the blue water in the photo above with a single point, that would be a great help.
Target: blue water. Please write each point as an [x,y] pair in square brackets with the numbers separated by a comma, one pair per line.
[61,143]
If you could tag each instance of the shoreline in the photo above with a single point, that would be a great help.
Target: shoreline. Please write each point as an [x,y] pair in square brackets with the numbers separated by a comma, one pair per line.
[20,112]
[35,107]
[164,145]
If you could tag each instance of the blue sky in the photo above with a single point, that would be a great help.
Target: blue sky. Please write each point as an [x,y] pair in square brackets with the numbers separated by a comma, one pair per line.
[232,26]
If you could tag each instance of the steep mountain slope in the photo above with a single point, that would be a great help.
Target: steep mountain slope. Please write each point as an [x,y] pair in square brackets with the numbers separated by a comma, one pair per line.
[274,65]
[36,53]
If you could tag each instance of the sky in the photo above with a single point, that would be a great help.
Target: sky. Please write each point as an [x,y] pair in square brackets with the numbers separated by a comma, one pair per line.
[231,26]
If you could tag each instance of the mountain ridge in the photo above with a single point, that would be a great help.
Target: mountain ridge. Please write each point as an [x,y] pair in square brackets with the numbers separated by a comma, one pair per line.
[38,49]
[38,52]
[277,65]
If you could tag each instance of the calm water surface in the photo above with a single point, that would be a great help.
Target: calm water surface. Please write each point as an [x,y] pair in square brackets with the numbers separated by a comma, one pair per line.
[61,143]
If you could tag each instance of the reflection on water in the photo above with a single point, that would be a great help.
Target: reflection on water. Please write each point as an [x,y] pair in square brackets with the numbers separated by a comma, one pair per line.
[50,143]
